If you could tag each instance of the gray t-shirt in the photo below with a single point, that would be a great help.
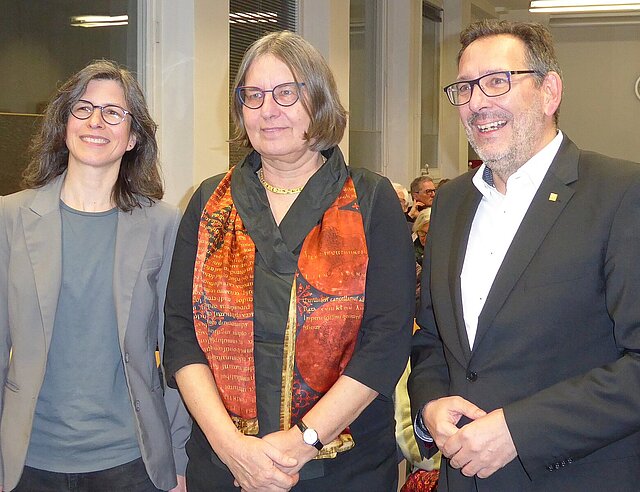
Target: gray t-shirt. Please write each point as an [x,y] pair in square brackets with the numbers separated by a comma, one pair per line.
[84,420]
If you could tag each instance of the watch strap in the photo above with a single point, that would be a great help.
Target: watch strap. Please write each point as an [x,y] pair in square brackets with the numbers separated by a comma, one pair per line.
[303,427]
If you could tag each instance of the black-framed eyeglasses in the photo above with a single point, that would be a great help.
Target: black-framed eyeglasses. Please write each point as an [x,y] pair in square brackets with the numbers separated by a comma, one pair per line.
[286,94]
[427,192]
[492,85]
[111,114]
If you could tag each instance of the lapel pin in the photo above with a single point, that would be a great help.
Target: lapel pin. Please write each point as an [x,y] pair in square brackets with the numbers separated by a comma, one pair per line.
[553,197]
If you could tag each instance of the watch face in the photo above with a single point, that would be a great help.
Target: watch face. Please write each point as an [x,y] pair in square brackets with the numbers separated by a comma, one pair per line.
[310,436]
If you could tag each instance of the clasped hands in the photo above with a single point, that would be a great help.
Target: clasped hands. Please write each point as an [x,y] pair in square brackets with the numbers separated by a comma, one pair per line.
[480,447]
[270,463]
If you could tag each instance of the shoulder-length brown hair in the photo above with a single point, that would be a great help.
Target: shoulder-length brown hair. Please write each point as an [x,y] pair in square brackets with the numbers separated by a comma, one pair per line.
[319,96]
[139,175]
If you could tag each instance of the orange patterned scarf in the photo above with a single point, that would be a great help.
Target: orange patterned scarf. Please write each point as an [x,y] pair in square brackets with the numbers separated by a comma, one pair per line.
[325,312]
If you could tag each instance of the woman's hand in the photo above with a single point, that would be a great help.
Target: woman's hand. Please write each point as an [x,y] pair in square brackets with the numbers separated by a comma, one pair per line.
[291,444]
[254,463]
[257,465]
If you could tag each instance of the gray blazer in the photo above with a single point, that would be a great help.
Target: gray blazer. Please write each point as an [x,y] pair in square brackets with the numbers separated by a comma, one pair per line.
[30,276]
[558,340]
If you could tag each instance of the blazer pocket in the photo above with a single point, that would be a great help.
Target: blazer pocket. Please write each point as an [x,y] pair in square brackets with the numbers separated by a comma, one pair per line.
[558,274]
[11,386]
[152,263]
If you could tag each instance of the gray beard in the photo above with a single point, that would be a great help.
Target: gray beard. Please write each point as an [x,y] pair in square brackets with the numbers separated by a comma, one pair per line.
[526,133]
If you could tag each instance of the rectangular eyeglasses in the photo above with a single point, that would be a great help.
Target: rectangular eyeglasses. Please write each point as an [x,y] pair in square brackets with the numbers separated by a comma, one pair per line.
[492,85]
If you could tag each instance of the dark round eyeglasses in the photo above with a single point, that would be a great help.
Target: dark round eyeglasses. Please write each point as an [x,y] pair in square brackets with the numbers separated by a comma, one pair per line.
[111,114]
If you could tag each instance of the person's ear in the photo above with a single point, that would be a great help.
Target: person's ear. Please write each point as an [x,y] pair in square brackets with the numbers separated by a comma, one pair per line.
[132,142]
[552,93]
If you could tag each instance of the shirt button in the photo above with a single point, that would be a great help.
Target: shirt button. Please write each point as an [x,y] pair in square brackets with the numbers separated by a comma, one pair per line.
[126,357]
[472,376]
[137,405]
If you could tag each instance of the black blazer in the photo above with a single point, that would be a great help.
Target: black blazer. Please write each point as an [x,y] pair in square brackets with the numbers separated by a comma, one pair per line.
[558,340]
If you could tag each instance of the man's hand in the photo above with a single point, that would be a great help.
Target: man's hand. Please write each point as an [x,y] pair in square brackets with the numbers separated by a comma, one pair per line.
[416,208]
[481,447]
[290,443]
[255,465]
[441,416]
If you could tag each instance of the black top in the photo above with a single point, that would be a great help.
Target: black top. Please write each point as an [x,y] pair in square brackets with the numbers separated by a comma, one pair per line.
[384,338]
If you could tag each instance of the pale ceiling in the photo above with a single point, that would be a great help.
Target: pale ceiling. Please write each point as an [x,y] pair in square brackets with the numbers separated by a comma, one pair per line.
[511,4]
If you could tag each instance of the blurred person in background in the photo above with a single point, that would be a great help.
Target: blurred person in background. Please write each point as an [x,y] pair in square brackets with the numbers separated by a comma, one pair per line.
[423,190]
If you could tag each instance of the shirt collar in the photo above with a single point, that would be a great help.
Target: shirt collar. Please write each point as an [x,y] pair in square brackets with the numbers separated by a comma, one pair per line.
[534,170]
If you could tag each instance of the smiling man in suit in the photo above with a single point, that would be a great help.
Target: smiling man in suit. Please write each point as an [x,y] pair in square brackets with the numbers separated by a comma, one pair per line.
[526,369]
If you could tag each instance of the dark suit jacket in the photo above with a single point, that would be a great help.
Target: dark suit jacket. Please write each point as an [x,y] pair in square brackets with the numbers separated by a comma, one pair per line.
[30,276]
[558,340]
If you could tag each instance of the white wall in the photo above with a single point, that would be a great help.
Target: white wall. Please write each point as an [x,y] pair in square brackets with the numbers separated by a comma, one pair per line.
[599,108]
[325,24]
[401,129]
[190,88]
[600,62]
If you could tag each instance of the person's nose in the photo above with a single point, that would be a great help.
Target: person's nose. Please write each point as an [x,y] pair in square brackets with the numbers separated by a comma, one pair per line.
[270,107]
[95,120]
[478,99]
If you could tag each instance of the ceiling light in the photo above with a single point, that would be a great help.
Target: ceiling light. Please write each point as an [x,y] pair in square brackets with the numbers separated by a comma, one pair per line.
[588,6]
[99,20]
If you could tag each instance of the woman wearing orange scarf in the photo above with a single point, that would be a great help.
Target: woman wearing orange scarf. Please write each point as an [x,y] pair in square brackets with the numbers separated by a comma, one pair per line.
[290,304]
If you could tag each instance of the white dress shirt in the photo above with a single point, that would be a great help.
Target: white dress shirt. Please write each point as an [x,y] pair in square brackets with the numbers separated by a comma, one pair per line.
[495,224]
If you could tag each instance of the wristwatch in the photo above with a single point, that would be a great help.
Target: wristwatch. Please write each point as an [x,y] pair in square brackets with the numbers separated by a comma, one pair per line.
[309,436]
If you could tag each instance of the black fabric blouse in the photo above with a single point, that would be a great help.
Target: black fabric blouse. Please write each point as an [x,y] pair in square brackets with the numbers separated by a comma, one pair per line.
[384,338]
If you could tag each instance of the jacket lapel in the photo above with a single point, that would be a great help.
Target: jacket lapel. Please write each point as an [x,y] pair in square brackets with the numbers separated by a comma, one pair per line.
[461,230]
[42,226]
[552,197]
[132,238]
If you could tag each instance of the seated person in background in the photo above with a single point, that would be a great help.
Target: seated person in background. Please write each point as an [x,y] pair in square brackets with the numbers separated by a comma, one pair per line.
[423,190]
[405,200]
[403,196]
[420,229]
[405,436]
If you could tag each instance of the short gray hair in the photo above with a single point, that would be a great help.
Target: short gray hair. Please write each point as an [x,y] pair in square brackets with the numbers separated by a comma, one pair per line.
[416,183]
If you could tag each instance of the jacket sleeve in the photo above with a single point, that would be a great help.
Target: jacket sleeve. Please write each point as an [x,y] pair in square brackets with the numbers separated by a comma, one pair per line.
[429,377]
[5,337]
[179,420]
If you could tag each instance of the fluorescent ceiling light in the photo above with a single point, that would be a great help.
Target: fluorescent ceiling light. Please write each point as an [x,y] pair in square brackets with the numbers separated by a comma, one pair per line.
[99,20]
[253,18]
[589,6]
